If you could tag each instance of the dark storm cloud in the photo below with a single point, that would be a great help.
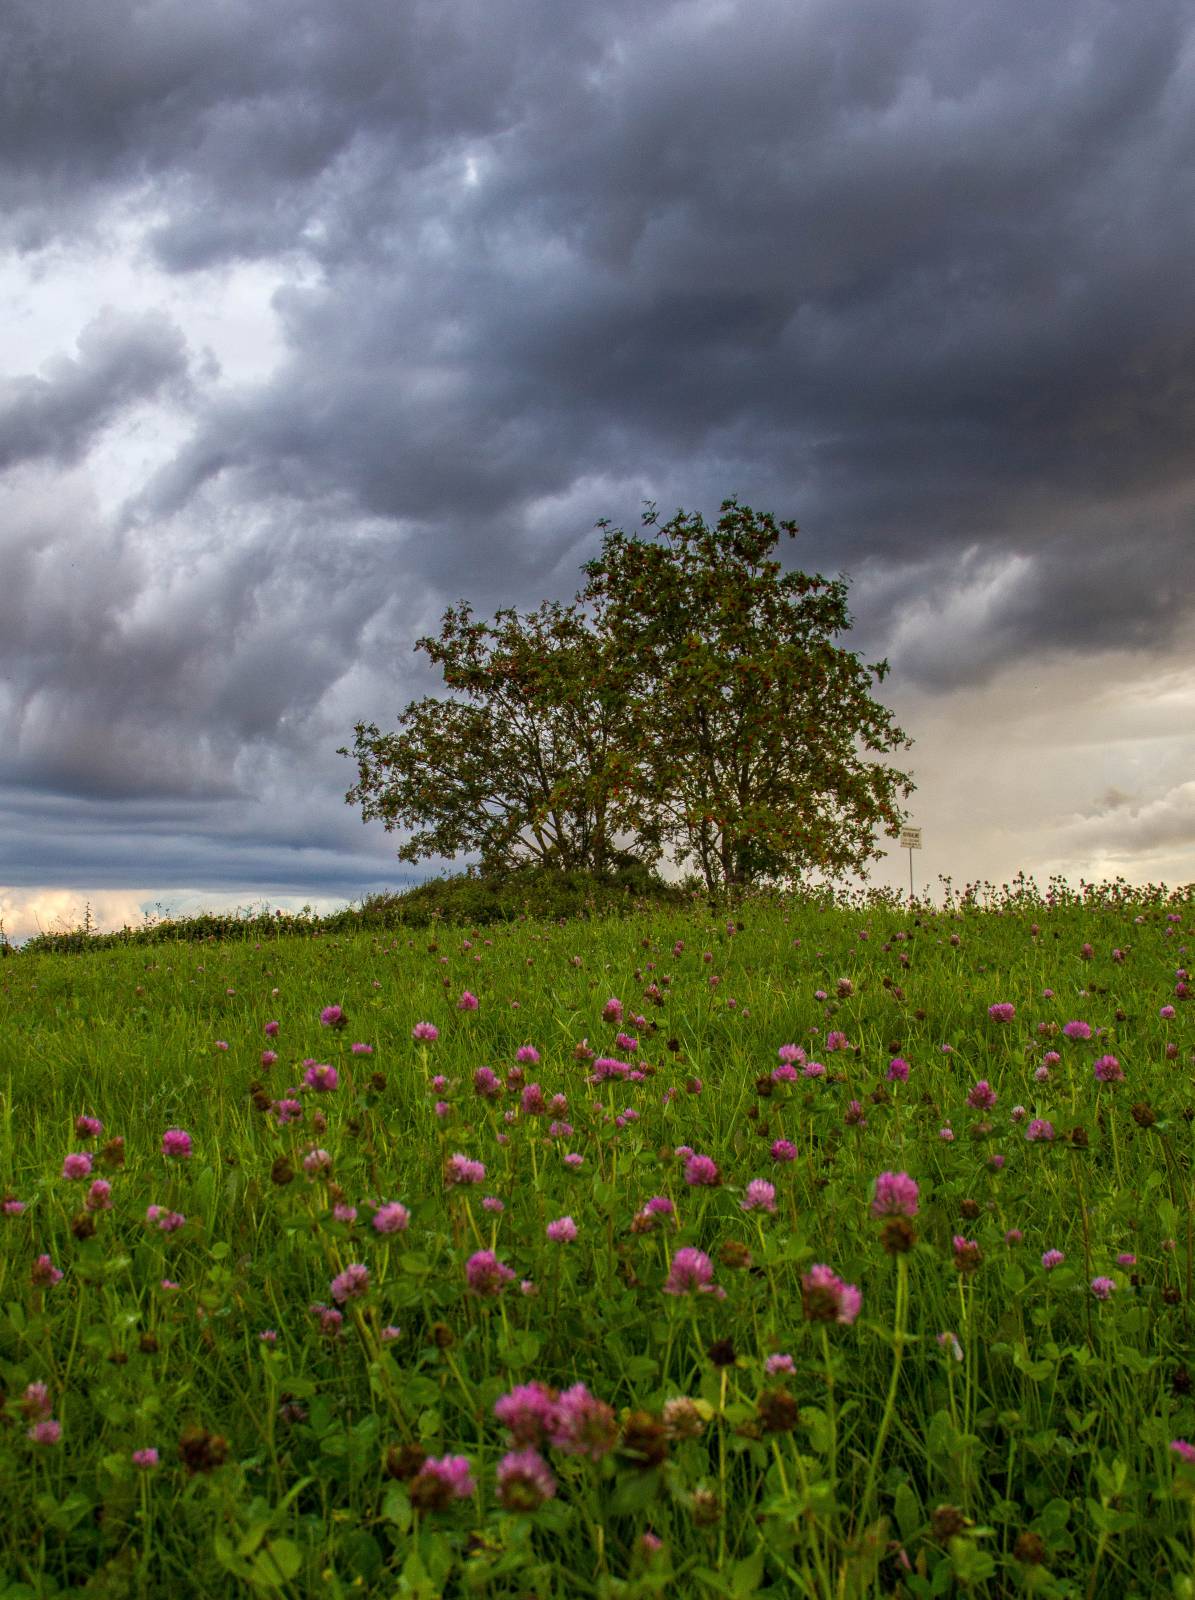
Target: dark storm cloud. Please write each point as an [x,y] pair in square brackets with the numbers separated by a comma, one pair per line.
[915,273]
[919,279]
[46,838]
[245,119]
[136,666]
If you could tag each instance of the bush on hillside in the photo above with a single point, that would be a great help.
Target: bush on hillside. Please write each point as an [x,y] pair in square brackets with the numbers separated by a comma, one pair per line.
[534,892]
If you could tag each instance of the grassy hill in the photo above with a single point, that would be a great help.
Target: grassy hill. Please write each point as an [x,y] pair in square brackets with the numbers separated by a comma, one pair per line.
[819,1249]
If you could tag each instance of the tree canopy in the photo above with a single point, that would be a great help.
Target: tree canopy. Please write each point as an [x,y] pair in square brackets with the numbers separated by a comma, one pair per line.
[691,700]
[528,767]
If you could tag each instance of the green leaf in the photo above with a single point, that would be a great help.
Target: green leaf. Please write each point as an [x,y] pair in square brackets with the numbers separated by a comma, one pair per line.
[908,1511]
[711,1580]
[362,1554]
[275,1563]
[249,1541]
[818,1426]
[225,1554]
[396,1507]
[1036,1371]
[640,1369]
[943,1579]
[971,1564]
[633,1491]
[747,1574]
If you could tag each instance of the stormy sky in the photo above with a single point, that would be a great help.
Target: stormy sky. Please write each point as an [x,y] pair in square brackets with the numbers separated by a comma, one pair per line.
[320,316]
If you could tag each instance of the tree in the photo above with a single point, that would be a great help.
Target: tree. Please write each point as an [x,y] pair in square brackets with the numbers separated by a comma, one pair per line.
[531,765]
[692,698]
[753,725]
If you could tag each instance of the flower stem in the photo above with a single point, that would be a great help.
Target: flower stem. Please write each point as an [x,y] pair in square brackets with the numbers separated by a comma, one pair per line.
[898,1350]
[831,1417]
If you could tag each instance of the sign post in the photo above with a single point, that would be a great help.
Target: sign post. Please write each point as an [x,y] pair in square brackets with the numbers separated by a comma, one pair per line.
[910,840]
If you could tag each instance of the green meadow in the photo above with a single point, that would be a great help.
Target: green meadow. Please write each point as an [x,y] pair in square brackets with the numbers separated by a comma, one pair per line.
[814,1249]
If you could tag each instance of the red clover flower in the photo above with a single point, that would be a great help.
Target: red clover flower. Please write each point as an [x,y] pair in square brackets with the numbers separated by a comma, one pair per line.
[760,1196]
[826,1298]
[529,1411]
[44,1274]
[320,1076]
[525,1481]
[487,1083]
[691,1271]
[703,1171]
[582,1425]
[393,1217]
[459,1169]
[485,1275]
[350,1284]
[967,1254]
[896,1195]
[441,1480]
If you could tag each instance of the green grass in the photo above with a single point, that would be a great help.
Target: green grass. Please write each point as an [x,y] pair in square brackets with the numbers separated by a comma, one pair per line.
[882,1464]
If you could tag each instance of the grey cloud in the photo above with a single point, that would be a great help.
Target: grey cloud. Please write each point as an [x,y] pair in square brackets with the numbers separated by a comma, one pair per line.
[44,844]
[121,360]
[1114,799]
[1165,820]
[157,661]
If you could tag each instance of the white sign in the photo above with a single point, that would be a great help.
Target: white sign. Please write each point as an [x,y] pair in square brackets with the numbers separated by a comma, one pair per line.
[910,839]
